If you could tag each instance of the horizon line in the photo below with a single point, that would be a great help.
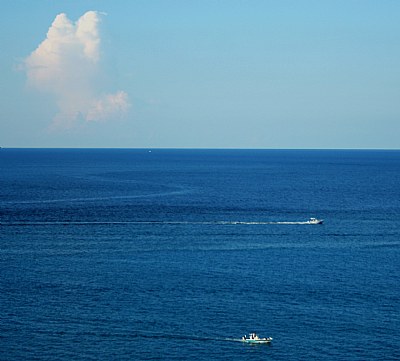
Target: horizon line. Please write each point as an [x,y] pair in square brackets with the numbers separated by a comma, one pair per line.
[205,148]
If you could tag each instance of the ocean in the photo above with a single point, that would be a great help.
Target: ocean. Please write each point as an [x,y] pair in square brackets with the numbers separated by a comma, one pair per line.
[163,254]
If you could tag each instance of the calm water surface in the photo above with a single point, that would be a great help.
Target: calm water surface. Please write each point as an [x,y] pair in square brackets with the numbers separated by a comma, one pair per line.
[175,254]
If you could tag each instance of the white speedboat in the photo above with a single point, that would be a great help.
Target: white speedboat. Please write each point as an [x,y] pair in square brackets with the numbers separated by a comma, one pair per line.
[315,221]
[253,338]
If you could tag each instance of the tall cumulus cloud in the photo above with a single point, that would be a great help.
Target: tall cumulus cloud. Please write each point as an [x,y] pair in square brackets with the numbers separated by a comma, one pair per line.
[67,65]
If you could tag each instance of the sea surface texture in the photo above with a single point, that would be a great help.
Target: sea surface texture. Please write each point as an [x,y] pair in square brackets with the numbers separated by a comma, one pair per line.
[176,254]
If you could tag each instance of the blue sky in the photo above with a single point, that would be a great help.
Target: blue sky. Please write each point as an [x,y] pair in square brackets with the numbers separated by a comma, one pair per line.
[200,74]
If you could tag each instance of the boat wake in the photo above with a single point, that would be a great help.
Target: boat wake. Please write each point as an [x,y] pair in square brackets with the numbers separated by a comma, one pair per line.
[88,223]
[186,337]
[250,223]
[97,199]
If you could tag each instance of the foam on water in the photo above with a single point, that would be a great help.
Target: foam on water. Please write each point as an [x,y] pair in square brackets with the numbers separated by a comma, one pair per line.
[82,223]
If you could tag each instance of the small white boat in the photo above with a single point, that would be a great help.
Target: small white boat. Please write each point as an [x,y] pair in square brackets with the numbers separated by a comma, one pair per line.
[315,221]
[253,338]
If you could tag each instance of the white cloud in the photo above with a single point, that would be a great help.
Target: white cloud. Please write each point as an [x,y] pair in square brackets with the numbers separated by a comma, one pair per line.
[107,105]
[66,64]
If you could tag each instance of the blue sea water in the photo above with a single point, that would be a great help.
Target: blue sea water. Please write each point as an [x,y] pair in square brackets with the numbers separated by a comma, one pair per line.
[125,254]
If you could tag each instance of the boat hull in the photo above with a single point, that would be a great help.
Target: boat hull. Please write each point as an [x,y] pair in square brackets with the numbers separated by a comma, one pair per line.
[253,342]
[315,221]
[258,341]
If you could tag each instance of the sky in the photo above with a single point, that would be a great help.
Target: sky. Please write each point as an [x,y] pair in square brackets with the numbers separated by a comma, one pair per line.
[292,74]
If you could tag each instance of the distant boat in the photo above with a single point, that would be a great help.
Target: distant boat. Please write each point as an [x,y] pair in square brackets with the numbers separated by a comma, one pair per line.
[254,339]
[315,221]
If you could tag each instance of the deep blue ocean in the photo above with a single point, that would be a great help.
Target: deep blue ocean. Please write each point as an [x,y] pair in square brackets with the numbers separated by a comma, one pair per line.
[131,254]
